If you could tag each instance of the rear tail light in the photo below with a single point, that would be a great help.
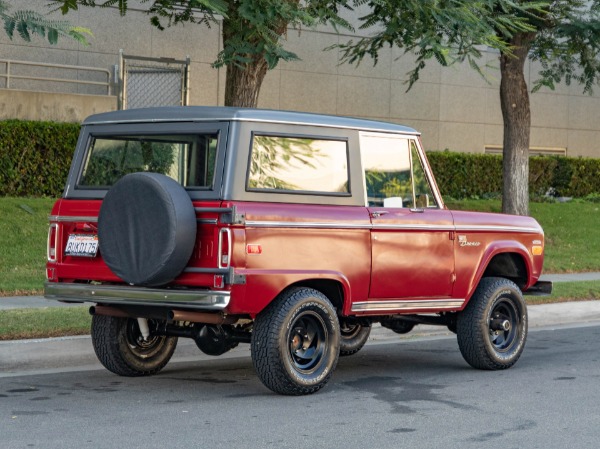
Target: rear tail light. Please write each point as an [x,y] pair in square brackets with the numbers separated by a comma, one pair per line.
[224,249]
[52,242]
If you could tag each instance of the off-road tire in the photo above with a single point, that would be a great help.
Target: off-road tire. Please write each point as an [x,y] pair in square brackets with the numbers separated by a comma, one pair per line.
[296,342]
[352,338]
[495,300]
[116,344]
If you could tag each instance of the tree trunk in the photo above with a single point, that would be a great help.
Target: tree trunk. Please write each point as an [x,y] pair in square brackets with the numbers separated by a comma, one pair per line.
[242,84]
[243,81]
[514,100]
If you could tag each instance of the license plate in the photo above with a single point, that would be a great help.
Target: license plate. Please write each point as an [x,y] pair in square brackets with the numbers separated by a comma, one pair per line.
[82,245]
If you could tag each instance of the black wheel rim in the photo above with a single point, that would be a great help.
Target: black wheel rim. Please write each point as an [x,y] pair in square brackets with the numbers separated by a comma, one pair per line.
[503,325]
[307,342]
[349,330]
[135,341]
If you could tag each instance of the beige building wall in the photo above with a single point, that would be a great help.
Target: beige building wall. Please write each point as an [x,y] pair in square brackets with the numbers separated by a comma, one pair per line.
[453,107]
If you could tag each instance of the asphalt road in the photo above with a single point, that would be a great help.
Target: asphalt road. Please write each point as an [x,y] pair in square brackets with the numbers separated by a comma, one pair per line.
[412,394]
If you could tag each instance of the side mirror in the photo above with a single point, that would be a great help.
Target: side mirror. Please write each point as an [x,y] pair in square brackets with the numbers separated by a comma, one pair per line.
[422,200]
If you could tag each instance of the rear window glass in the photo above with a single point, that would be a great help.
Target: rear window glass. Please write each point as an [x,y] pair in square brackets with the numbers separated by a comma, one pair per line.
[188,159]
[294,164]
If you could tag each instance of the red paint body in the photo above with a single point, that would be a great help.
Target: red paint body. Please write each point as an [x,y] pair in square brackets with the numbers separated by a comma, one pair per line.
[395,256]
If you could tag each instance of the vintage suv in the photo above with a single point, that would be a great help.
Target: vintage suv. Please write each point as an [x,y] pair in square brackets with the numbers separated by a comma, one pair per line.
[292,232]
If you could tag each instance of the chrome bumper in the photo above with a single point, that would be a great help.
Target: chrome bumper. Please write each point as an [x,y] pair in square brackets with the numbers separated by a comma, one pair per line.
[138,296]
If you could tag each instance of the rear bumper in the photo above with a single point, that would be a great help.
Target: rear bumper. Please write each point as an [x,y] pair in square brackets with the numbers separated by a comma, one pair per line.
[540,288]
[138,296]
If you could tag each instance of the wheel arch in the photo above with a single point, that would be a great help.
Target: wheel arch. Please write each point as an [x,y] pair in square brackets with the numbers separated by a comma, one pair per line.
[509,260]
[333,289]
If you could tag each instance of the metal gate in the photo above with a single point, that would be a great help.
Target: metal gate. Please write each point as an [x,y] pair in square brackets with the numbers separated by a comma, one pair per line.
[147,82]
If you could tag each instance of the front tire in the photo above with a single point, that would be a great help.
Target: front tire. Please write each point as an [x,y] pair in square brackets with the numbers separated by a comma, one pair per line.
[121,349]
[296,342]
[492,329]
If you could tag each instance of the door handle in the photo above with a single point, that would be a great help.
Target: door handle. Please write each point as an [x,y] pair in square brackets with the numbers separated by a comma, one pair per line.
[379,213]
[417,210]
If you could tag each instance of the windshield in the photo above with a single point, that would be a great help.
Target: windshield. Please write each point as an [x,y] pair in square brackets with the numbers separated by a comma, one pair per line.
[188,159]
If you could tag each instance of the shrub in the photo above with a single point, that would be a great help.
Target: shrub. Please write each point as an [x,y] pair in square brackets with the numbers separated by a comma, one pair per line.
[468,175]
[35,157]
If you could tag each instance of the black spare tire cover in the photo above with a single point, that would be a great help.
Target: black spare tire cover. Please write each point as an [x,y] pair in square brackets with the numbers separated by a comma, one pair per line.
[147,229]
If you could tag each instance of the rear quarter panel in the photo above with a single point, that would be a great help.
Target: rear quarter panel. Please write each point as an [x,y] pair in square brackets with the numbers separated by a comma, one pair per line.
[303,242]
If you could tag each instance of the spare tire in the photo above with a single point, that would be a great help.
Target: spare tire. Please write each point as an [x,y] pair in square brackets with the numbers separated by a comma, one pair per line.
[147,229]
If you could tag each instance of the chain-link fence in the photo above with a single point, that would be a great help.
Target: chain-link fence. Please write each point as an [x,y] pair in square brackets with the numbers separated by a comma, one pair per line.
[147,82]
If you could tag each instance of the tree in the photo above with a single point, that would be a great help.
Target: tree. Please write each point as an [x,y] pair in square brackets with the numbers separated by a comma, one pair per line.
[563,35]
[252,32]
[28,23]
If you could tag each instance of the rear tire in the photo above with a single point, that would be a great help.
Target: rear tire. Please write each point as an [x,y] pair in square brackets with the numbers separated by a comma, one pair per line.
[353,337]
[492,329]
[121,349]
[296,342]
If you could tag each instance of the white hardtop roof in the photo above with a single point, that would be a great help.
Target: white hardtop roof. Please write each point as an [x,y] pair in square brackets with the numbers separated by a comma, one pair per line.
[220,113]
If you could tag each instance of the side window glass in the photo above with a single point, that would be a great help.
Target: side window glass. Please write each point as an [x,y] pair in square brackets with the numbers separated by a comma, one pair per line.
[423,194]
[387,170]
[297,164]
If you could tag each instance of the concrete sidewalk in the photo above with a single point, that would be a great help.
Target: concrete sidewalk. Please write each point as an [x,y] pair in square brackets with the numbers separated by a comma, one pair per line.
[26,302]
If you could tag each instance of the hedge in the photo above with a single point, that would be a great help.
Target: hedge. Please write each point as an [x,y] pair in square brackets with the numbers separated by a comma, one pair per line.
[467,175]
[35,158]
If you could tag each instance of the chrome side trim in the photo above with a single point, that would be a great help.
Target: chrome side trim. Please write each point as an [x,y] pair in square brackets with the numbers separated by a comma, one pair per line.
[305,224]
[62,218]
[386,226]
[118,294]
[386,306]
[327,225]
[414,227]
[470,228]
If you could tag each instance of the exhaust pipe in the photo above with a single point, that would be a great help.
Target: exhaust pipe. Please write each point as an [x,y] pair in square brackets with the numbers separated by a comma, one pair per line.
[109,311]
[171,315]
[200,317]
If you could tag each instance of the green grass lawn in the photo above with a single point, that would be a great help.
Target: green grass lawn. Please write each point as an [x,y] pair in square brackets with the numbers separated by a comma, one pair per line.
[44,323]
[23,237]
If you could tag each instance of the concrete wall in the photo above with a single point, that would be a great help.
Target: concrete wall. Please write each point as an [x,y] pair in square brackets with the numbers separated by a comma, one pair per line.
[453,107]
[45,106]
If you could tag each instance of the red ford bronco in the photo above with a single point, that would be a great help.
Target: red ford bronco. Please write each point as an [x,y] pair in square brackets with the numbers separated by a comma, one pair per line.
[292,232]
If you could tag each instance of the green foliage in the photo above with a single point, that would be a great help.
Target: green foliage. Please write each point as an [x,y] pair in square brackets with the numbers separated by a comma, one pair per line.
[29,23]
[35,157]
[568,45]
[447,31]
[252,29]
[464,175]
